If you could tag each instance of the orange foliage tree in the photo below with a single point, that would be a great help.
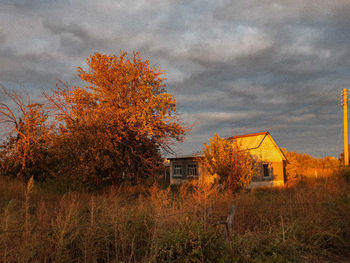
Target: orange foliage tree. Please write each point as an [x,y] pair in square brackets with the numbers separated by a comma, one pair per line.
[115,128]
[224,158]
[25,150]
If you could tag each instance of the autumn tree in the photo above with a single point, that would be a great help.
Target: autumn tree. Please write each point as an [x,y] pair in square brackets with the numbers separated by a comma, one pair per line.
[233,165]
[23,151]
[115,128]
[292,166]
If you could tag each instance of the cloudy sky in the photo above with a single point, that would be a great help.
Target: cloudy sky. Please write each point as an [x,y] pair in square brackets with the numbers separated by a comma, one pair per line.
[234,67]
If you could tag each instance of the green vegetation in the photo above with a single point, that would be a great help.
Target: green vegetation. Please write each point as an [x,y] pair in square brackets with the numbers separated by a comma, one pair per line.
[309,222]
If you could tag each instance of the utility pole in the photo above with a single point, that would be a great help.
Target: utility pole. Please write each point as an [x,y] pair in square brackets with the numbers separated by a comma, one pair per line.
[346,149]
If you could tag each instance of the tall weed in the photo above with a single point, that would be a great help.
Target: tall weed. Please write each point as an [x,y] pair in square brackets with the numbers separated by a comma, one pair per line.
[308,222]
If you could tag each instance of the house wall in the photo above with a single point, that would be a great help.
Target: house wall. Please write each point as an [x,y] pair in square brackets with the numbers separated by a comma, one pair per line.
[184,162]
[265,153]
[278,171]
[268,153]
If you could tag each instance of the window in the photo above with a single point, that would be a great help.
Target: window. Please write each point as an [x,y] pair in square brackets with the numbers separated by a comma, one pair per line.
[177,170]
[266,172]
[192,170]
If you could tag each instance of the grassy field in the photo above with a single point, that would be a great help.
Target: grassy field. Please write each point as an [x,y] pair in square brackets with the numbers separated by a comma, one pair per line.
[307,222]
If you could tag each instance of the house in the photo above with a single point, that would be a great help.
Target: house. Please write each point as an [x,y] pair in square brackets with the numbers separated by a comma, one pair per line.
[186,167]
[269,161]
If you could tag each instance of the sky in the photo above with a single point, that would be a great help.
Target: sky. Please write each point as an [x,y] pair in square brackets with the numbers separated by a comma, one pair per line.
[234,67]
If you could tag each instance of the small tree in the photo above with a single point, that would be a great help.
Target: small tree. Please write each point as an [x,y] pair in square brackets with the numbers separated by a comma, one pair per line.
[292,166]
[25,149]
[233,165]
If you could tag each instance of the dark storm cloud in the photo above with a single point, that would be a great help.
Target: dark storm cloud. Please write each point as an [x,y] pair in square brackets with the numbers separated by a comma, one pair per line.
[233,66]
[73,38]
[26,68]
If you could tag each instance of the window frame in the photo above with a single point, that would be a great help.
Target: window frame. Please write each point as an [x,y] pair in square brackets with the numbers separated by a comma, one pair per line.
[175,168]
[192,170]
[266,167]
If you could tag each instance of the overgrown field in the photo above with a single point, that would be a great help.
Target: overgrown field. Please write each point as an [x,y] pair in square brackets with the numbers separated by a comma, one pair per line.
[309,222]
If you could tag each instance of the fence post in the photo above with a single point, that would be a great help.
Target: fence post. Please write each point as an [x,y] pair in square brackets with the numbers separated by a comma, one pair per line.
[229,221]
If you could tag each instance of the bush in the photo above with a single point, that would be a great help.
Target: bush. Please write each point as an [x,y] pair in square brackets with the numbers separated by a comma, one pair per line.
[346,173]
[191,243]
[225,159]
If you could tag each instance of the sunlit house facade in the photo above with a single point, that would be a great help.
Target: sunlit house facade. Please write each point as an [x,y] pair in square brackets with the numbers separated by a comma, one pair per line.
[269,161]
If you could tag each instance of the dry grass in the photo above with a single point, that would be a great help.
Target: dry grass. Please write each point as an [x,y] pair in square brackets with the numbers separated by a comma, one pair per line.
[317,172]
[309,222]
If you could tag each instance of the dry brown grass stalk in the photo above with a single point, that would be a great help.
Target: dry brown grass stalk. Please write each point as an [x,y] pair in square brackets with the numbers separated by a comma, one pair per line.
[308,222]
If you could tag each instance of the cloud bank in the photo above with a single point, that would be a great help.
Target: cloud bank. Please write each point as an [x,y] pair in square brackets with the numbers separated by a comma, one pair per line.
[233,66]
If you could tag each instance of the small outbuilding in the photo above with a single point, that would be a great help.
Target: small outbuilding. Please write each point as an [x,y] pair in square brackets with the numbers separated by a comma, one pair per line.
[269,161]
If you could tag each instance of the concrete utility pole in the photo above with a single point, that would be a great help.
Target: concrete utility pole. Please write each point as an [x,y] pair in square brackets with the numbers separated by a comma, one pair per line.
[346,149]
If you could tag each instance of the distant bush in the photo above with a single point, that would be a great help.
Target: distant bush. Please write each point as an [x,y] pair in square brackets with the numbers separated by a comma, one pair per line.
[301,165]
[346,173]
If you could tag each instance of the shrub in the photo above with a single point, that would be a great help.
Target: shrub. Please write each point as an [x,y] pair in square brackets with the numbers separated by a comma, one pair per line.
[346,173]
[225,159]
[190,243]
